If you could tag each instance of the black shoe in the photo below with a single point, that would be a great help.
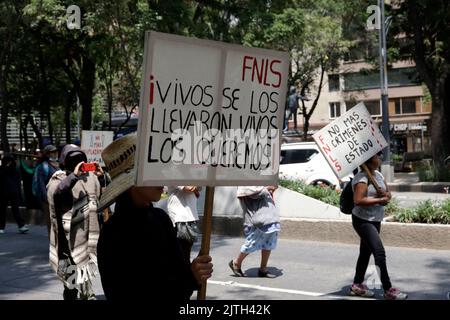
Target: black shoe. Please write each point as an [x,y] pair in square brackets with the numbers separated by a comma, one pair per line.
[237,271]
[265,274]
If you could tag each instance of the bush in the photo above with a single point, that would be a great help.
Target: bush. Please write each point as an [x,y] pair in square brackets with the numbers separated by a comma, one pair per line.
[405,215]
[429,173]
[391,208]
[322,193]
[397,157]
[425,211]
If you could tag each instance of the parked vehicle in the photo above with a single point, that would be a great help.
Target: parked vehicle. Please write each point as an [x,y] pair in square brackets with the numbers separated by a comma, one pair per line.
[304,161]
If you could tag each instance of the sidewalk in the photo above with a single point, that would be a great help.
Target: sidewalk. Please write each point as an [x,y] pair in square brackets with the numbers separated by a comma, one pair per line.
[409,182]
[306,270]
[25,273]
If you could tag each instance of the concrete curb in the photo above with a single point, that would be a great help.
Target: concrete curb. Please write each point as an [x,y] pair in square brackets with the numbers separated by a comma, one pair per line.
[409,235]
[433,187]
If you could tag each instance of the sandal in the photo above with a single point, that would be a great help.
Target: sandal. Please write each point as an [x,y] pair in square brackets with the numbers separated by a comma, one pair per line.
[237,271]
[265,274]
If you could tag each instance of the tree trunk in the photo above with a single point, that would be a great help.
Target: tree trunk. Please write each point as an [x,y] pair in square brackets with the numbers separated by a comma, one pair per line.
[87,83]
[50,125]
[36,130]
[440,127]
[308,115]
[45,93]
[23,130]
[4,114]
[67,111]
[109,97]
[305,127]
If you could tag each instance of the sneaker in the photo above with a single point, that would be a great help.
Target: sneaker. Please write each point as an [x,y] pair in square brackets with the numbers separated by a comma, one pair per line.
[361,290]
[24,229]
[2,231]
[395,294]
[237,271]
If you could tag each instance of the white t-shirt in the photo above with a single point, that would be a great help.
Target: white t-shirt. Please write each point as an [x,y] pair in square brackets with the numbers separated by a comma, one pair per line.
[181,205]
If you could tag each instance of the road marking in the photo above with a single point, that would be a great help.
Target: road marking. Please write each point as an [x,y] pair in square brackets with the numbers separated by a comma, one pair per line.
[298,292]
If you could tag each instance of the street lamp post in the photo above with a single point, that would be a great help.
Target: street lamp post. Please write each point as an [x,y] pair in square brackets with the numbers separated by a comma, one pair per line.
[386,167]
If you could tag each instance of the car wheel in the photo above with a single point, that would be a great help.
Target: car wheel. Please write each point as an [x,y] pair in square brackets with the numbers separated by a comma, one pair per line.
[321,182]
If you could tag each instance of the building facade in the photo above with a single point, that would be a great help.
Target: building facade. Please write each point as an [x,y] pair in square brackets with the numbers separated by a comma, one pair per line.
[409,102]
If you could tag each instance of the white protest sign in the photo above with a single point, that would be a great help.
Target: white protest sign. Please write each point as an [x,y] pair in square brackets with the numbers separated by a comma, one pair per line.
[93,143]
[350,140]
[210,113]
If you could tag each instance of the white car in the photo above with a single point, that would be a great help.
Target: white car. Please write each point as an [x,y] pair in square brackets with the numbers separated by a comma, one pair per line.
[304,161]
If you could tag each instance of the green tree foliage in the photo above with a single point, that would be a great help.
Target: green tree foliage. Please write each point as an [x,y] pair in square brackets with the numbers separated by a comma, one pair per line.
[422,32]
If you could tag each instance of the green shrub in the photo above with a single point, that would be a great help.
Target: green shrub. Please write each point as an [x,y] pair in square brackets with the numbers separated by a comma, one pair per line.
[405,215]
[425,211]
[426,174]
[391,208]
[429,173]
[322,193]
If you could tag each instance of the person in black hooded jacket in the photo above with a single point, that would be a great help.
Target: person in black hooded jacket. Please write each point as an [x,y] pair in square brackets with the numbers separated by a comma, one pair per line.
[10,187]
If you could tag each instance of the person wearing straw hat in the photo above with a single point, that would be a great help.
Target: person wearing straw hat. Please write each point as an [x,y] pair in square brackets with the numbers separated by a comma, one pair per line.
[73,197]
[139,256]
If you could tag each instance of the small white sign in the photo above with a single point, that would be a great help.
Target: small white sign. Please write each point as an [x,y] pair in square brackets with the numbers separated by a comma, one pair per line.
[350,140]
[93,143]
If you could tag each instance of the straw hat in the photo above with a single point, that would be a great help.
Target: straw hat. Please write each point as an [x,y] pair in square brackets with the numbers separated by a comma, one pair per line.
[119,162]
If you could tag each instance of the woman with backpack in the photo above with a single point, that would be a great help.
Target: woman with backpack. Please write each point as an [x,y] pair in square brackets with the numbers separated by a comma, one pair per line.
[367,214]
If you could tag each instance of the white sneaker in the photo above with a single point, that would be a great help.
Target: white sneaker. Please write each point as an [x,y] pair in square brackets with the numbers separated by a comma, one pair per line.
[2,231]
[24,229]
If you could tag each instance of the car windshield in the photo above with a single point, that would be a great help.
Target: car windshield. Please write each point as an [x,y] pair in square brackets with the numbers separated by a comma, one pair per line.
[297,155]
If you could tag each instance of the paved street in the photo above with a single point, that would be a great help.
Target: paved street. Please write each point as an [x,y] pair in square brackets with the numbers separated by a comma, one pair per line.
[307,270]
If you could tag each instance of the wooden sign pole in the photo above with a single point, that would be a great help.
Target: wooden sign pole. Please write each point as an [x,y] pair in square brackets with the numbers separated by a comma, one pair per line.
[372,179]
[206,236]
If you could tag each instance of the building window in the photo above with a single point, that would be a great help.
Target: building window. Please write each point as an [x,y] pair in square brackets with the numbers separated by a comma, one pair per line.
[408,105]
[335,110]
[333,82]
[366,79]
[350,104]
[398,109]
[404,105]
[373,107]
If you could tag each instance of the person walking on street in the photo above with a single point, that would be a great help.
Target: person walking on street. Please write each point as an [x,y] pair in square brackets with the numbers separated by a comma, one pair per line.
[139,256]
[367,215]
[182,210]
[261,227]
[42,174]
[10,186]
[73,197]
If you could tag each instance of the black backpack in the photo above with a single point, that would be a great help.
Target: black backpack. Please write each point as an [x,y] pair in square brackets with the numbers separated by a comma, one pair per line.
[346,203]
